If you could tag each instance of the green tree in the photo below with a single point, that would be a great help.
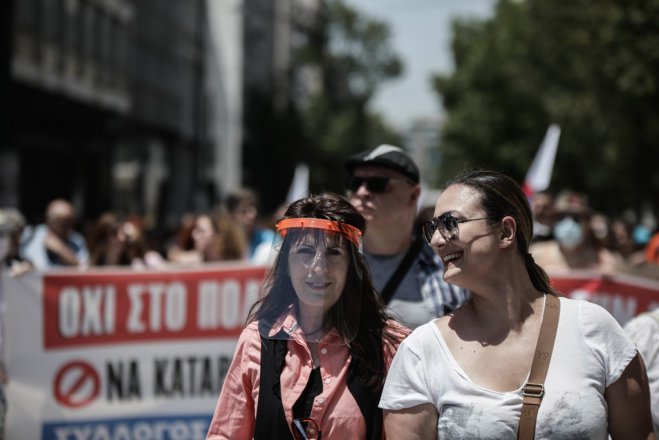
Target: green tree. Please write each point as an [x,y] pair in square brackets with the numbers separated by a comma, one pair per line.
[339,58]
[593,68]
[351,56]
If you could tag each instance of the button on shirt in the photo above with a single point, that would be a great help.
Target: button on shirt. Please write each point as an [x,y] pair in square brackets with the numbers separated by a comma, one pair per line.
[335,410]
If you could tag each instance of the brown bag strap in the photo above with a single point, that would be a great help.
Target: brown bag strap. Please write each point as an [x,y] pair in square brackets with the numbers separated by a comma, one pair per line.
[534,389]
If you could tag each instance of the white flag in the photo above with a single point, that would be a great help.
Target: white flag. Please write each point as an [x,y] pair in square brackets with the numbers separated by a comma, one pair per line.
[539,175]
[300,185]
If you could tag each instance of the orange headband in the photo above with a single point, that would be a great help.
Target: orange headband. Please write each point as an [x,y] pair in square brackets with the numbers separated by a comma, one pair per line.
[350,232]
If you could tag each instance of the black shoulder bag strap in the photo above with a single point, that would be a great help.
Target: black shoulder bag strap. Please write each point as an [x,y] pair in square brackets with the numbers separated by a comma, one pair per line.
[403,267]
[270,420]
[270,417]
[367,400]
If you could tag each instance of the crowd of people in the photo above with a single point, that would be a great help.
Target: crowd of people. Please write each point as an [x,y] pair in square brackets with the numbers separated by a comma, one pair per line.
[569,234]
[378,319]
[478,305]
[228,232]
[467,375]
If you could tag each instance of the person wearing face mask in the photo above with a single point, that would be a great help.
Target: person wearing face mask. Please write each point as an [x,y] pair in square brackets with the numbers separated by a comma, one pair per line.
[574,245]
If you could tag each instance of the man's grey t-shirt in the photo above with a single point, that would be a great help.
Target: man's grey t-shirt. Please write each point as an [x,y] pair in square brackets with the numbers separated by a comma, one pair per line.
[407,304]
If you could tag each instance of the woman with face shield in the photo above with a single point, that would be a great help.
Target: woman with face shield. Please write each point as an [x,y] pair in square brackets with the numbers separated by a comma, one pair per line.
[312,360]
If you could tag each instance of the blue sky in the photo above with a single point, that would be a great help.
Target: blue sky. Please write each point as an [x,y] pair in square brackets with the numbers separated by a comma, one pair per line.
[421,34]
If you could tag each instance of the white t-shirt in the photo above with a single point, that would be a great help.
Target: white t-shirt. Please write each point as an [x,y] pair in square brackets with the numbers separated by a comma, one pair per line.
[590,353]
[644,331]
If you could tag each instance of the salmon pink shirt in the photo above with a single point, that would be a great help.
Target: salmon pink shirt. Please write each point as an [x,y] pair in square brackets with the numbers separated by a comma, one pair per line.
[334,409]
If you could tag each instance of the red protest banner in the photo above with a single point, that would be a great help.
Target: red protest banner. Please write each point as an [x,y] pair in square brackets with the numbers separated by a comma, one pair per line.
[624,296]
[112,307]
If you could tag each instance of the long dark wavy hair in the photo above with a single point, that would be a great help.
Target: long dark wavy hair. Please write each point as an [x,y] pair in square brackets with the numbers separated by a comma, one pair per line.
[501,196]
[368,344]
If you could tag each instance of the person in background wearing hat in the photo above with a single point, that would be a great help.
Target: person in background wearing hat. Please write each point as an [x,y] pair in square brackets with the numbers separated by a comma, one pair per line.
[56,243]
[574,245]
[383,185]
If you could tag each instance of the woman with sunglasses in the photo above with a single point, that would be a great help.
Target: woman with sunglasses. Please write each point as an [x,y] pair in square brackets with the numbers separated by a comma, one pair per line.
[312,360]
[467,375]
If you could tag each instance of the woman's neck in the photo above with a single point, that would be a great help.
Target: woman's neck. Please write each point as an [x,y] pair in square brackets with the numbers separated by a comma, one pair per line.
[311,322]
[508,299]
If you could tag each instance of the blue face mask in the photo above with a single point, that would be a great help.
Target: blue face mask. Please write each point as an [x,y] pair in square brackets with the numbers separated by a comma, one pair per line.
[568,232]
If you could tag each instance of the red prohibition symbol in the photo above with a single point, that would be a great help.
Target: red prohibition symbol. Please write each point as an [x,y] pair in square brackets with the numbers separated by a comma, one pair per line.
[76,384]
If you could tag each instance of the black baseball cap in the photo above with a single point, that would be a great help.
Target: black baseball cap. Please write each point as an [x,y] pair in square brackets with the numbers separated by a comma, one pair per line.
[386,156]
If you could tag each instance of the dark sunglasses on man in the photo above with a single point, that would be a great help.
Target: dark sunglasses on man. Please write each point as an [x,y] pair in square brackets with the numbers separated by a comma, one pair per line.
[374,184]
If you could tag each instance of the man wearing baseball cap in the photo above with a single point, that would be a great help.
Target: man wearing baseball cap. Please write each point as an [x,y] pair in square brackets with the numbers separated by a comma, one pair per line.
[383,185]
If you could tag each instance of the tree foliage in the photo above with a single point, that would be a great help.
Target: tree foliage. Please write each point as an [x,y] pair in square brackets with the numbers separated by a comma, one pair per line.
[591,67]
[350,55]
[339,58]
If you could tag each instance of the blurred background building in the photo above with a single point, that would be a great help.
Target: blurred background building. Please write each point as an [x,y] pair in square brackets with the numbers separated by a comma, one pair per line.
[421,140]
[133,106]
[159,108]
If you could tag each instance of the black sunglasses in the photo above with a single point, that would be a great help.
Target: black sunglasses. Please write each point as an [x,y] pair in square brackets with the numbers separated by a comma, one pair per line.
[306,429]
[374,184]
[447,225]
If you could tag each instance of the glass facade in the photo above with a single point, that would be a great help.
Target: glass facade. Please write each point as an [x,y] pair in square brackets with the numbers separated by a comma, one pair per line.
[94,85]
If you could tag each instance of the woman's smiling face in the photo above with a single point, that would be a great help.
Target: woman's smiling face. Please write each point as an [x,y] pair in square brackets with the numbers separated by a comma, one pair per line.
[318,266]
[473,248]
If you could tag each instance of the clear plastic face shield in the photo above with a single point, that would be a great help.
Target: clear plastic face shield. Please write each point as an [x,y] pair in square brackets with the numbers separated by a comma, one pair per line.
[314,290]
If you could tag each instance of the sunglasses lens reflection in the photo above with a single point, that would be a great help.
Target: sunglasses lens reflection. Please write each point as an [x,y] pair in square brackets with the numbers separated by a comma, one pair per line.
[449,222]
[446,224]
[428,230]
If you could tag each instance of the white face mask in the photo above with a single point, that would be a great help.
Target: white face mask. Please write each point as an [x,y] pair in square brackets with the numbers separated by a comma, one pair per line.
[4,246]
[568,232]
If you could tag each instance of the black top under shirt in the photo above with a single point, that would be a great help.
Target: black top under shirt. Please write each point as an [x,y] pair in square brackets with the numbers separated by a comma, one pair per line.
[270,416]
[302,407]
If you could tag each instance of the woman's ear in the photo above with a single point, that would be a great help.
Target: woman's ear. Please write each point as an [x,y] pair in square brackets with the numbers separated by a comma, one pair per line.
[508,231]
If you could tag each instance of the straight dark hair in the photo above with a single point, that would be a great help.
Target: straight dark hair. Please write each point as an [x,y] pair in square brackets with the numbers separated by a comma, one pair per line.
[368,344]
